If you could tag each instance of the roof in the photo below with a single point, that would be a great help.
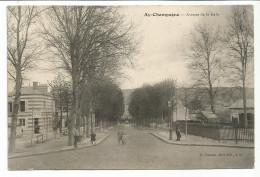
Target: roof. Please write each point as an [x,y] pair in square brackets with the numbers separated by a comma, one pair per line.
[209,115]
[29,91]
[239,104]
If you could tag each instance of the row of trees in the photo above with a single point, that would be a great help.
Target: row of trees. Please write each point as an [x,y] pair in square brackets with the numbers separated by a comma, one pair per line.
[218,55]
[89,43]
[102,104]
[149,103]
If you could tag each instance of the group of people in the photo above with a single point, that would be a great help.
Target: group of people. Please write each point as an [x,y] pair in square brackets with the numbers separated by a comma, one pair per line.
[77,137]
[121,137]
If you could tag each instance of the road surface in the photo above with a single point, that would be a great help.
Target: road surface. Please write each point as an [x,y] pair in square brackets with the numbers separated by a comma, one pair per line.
[142,151]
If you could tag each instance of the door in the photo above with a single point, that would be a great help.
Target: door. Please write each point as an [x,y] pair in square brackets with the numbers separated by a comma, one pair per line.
[36,125]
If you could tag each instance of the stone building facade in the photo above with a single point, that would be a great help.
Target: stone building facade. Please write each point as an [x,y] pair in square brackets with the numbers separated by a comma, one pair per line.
[36,110]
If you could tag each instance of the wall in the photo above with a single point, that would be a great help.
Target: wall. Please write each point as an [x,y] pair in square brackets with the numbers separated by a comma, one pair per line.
[37,106]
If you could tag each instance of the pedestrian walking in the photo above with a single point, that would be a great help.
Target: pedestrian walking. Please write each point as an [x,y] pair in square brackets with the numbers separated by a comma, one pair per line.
[76,137]
[178,134]
[123,138]
[119,136]
[93,137]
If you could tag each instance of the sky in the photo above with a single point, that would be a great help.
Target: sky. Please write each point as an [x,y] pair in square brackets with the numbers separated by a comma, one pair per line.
[163,41]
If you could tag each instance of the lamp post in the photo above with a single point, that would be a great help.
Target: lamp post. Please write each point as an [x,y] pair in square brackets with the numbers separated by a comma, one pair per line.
[170,119]
[171,105]
[46,120]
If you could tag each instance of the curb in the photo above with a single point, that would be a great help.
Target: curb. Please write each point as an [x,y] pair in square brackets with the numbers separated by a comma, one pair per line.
[186,144]
[69,148]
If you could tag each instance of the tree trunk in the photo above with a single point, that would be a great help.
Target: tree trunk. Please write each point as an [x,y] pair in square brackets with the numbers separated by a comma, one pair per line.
[18,86]
[91,116]
[74,108]
[211,96]
[78,117]
[244,94]
[67,115]
[211,100]
[84,126]
[60,120]
[100,124]
[16,105]
[88,125]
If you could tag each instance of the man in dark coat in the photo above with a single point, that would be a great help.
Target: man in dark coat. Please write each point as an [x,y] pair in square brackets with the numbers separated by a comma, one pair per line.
[178,132]
[76,137]
[93,138]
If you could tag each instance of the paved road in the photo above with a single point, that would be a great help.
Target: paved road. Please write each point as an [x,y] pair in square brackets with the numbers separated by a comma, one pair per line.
[142,151]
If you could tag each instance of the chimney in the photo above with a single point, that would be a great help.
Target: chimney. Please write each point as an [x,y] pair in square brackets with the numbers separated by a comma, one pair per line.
[35,85]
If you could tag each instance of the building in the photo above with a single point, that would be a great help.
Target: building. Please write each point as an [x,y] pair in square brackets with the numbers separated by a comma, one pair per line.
[181,113]
[237,112]
[203,116]
[209,117]
[36,110]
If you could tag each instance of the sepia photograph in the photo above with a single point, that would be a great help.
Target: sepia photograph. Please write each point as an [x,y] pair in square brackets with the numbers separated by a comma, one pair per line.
[130,87]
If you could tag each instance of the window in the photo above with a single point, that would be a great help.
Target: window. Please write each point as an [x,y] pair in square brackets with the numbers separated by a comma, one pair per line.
[22,106]
[22,122]
[10,107]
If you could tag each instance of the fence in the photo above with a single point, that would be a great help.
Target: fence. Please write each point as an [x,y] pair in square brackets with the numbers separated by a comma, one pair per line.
[216,131]
[202,130]
[237,133]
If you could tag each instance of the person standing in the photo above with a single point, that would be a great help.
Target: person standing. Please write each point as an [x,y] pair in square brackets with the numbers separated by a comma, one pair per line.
[177,127]
[119,136]
[76,136]
[93,137]
[178,132]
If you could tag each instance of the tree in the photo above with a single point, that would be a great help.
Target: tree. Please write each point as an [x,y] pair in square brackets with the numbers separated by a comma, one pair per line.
[195,104]
[84,40]
[240,44]
[61,92]
[109,103]
[206,66]
[149,103]
[23,51]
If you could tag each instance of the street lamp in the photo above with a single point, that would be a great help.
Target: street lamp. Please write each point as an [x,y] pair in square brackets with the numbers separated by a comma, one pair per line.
[170,119]
[171,105]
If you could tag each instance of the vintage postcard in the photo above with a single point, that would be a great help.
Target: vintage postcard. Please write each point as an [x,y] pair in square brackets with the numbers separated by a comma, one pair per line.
[130,87]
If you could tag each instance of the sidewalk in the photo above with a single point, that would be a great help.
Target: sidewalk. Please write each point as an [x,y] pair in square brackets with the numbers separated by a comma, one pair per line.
[198,141]
[51,145]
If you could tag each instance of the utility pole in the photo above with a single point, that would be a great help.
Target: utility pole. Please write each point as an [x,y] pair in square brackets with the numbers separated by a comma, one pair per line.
[32,127]
[46,120]
[171,105]
[186,122]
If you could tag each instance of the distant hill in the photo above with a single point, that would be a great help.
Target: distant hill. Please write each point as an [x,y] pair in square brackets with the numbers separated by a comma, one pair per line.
[126,94]
[224,94]
[224,98]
